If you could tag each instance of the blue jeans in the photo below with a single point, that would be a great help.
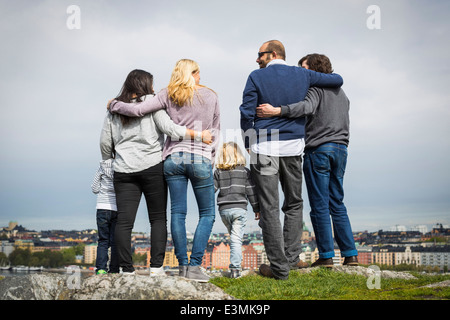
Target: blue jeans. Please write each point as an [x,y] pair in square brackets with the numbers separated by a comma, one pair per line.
[179,168]
[106,223]
[324,169]
[235,220]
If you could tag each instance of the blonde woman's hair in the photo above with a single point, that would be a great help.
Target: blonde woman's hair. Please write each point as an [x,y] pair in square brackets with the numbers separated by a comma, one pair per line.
[230,156]
[182,84]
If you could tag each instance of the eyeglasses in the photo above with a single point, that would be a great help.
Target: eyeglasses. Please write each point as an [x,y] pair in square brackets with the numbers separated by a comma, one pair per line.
[260,54]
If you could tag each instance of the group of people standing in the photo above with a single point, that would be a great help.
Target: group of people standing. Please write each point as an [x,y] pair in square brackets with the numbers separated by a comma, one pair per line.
[136,160]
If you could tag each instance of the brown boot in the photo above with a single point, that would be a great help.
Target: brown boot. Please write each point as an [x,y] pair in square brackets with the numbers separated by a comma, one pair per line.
[300,265]
[265,271]
[351,261]
[328,263]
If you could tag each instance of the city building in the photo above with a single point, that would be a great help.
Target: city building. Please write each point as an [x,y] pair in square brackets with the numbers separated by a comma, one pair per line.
[90,253]
[249,257]
[406,256]
[220,258]
[6,247]
[207,256]
[436,256]
[262,256]
[364,255]
[24,244]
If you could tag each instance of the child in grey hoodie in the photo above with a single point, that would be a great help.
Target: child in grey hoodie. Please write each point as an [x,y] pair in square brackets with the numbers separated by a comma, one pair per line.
[106,207]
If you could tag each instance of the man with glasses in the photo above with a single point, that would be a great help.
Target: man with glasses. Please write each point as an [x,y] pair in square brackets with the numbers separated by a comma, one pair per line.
[276,145]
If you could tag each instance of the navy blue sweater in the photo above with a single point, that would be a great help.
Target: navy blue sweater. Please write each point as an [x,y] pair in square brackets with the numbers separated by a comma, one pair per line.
[279,84]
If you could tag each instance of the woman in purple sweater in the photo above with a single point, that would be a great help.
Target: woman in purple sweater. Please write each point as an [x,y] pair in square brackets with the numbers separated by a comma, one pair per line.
[195,106]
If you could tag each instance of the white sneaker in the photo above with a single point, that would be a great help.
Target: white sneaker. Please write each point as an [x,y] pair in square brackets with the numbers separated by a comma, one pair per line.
[155,272]
[126,273]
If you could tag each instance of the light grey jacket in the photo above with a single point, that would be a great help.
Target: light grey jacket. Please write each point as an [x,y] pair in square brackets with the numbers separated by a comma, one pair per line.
[137,145]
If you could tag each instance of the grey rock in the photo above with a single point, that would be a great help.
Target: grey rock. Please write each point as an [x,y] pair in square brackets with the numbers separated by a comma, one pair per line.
[32,287]
[366,272]
[51,286]
[442,284]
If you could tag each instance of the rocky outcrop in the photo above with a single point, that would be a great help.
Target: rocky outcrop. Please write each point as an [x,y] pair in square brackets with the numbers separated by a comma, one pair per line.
[358,270]
[367,272]
[52,286]
[55,286]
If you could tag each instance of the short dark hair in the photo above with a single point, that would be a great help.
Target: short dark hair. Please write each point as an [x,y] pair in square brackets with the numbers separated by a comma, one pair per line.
[278,47]
[317,62]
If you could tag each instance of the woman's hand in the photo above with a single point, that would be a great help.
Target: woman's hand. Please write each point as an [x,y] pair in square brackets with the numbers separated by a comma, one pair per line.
[207,137]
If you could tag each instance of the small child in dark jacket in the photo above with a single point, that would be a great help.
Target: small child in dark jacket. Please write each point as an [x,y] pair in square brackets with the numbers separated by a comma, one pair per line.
[236,189]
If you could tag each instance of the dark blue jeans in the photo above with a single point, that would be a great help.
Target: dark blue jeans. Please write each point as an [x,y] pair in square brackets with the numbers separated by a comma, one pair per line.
[179,169]
[324,169]
[106,224]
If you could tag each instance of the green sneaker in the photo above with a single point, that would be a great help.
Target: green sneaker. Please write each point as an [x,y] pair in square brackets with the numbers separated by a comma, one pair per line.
[101,271]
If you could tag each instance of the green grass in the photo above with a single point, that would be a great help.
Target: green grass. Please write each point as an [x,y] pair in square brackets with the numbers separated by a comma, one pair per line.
[324,284]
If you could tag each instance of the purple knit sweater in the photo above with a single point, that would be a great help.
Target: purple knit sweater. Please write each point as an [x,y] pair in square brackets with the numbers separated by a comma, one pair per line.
[202,114]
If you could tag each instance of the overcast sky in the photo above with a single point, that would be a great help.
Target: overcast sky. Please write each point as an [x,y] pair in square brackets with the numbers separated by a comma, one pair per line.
[56,80]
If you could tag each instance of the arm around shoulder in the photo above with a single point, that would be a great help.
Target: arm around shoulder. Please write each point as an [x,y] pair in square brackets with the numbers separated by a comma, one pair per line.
[325,80]
[138,109]
[303,108]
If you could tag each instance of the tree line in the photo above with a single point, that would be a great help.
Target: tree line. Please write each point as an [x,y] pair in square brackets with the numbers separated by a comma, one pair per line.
[46,258]
[51,259]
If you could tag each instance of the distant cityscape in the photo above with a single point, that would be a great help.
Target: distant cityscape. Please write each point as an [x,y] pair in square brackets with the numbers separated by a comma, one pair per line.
[416,247]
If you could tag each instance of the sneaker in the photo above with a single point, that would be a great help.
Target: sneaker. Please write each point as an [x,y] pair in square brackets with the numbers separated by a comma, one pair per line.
[101,271]
[182,270]
[196,273]
[235,273]
[328,263]
[155,272]
[128,273]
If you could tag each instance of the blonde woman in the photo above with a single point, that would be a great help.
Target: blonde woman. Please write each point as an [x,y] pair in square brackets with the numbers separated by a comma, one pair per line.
[195,106]
[236,189]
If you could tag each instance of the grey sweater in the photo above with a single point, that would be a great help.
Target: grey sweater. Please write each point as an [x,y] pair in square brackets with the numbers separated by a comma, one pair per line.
[236,189]
[137,145]
[328,116]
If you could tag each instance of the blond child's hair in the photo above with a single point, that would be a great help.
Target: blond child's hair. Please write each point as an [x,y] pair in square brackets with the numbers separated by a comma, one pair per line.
[230,156]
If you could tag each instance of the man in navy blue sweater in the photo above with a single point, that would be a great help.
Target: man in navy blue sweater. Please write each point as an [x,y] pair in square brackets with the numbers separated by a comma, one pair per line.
[276,145]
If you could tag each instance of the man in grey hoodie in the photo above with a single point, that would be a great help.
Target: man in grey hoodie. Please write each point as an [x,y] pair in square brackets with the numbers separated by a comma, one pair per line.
[327,138]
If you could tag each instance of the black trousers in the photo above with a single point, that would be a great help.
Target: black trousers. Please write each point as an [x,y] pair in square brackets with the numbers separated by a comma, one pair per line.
[129,188]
